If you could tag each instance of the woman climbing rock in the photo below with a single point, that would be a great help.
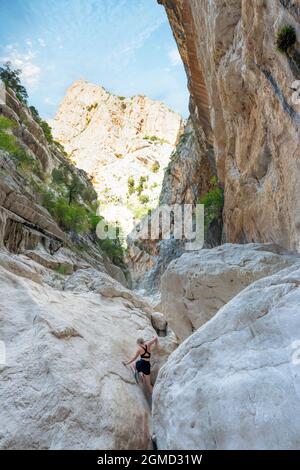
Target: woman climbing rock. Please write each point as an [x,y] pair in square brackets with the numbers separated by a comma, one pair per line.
[143,365]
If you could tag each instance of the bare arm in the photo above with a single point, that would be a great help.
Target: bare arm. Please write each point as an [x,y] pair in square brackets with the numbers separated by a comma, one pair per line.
[152,341]
[133,359]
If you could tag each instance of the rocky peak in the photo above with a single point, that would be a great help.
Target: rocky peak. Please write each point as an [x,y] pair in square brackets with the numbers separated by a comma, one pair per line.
[123,143]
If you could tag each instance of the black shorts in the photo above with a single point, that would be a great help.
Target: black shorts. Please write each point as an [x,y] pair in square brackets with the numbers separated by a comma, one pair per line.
[143,366]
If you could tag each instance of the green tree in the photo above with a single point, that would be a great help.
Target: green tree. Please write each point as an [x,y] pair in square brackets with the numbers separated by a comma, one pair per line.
[11,78]
[44,125]
[73,184]
[213,202]
[89,195]
[131,185]
[58,176]
[47,131]
[155,167]
[75,188]
[35,113]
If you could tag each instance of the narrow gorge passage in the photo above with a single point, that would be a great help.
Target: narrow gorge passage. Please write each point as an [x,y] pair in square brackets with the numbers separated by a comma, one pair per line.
[118,122]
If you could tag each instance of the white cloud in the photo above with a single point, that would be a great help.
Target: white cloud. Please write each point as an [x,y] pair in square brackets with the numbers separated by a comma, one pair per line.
[49,101]
[31,73]
[123,53]
[41,42]
[25,61]
[174,57]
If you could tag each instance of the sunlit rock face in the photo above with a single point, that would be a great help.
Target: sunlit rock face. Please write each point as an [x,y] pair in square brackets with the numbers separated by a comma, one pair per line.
[187,178]
[235,383]
[124,143]
[241,94]
[196,285]
[26,226]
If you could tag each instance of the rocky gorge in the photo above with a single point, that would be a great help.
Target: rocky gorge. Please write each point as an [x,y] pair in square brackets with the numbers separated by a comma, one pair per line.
[226,367]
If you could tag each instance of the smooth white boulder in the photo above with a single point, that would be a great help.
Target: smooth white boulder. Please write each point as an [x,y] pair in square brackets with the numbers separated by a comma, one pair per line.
[235,383]
[196,285]
[63,385]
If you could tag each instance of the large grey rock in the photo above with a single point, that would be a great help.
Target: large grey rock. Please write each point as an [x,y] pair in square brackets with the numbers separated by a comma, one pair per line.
[235,383]
[197,284]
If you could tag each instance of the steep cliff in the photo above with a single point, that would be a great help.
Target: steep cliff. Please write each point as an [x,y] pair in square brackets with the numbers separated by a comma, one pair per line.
[241,99]
[47,205]
[123,143]
[66,323]
[187,179]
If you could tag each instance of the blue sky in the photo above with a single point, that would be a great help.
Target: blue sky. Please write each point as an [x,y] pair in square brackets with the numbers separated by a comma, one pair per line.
[125,45]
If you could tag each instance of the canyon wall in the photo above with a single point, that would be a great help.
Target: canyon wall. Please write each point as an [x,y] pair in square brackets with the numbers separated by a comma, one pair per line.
[66,323]
[36,219]
[241,99]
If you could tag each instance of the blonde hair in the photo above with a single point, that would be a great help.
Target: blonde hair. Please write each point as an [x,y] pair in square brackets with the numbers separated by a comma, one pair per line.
[140,341]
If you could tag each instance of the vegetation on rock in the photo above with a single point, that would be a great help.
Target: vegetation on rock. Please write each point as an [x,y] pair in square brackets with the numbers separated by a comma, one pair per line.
[11,78]
[10,144]
[285,38]
[66,193]
[155,167]
[213,202]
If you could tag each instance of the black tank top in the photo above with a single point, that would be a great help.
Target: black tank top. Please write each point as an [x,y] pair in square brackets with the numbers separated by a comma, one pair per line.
[146,354]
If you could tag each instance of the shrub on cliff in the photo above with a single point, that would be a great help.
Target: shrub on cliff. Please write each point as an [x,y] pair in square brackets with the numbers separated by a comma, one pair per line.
[70,217]
[155,167]
[114,250]
[213,202]
[74,187]
[72,204]
[285,38]
[9,143]
[6,123]
[44,125]
[131,185]
[144,199]
[141,186]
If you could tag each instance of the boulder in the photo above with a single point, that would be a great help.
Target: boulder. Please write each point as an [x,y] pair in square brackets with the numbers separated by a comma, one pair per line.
[64,383]
[235,383]
[196,285]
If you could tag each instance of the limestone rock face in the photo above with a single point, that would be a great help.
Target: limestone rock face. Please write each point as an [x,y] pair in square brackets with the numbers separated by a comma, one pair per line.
[187,178]
[196,285]
[116,138]
[26,227]
[241,94]
[189,172]
[64,384]
[235,383]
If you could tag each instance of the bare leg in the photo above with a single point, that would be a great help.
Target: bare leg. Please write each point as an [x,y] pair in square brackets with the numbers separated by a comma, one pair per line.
[147,379]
